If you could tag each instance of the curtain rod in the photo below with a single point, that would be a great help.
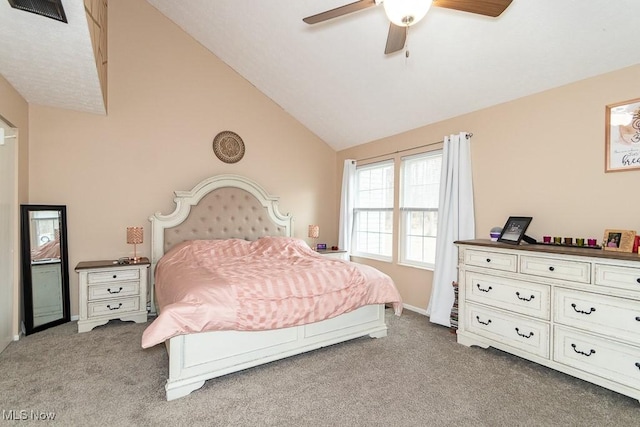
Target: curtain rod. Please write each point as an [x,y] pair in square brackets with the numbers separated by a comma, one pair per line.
[469,135]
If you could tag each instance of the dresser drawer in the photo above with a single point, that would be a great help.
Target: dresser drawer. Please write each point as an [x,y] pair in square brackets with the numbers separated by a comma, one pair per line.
[605,358]
[493,260]
[113,276]
[115,290]
[113,307]
[516,295]
[607,315]
[617,277]
[575,271]
[525,334]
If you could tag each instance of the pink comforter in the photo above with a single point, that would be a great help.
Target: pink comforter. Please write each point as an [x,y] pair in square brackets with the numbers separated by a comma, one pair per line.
[274,282]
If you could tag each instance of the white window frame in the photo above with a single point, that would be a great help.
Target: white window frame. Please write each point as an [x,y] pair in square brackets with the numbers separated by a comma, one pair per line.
[406,212]
[385,209]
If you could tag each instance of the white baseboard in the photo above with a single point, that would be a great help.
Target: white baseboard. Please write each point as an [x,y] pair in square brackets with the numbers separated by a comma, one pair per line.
[415,309]
[22,332]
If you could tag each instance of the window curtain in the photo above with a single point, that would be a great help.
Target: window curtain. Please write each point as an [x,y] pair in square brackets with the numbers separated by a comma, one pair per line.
[456,221]
[346,204]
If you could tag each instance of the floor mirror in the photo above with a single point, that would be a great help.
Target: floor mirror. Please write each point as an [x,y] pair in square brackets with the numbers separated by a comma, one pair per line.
[45,266]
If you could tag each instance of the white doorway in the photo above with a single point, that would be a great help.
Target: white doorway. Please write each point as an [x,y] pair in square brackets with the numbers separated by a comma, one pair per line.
[8,227]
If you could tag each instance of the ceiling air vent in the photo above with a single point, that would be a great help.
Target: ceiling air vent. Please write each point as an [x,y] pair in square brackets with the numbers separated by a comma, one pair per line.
[50,8]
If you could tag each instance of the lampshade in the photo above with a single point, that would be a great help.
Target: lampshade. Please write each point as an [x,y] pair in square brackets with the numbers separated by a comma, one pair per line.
[405,13]
[314,231]
[134,235]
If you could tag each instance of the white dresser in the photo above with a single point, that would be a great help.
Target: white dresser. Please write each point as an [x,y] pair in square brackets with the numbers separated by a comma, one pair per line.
[112,291]
[576,310]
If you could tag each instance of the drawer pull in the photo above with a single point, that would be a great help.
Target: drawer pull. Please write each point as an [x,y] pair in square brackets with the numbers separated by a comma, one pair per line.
[489,260]
[114,292]
[524,335]
[551,268]
[592,351]
[638,280]
[638,365]
[114,308]
[115,276]
[483,290]
[481,322]
[524,298]
[591,310]
[638,318]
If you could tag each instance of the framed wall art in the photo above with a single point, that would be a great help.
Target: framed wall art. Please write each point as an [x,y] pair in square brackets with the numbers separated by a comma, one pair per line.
[622,136]
[513,231]
[618,240]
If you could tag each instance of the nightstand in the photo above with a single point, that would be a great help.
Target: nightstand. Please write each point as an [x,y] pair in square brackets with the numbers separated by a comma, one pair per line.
[108,290]
[339,254]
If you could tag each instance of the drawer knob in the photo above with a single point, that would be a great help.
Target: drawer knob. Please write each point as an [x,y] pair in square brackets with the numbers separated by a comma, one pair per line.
[638,280]
[489,260]
[115,276]
[638,318]
[481,322]
[591,351]
[551,268]
[524,298]
[638,365]
[114,308]
[524,335]
[591,310]
[114,292]
[483,290]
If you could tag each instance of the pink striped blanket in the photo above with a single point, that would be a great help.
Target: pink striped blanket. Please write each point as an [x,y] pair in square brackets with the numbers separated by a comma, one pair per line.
[271,283]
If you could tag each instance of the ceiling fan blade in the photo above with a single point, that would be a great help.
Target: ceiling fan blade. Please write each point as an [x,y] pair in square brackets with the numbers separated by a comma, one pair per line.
[339,11]
[396,38]
[482,7]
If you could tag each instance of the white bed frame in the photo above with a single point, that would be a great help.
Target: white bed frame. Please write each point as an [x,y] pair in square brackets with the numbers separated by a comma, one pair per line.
[231,206]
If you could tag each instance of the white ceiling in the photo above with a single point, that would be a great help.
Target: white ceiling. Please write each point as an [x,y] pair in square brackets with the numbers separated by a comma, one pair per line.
[50,62]
[334,77]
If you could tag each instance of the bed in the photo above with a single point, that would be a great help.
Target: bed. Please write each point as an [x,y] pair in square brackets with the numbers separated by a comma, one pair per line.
[233,209]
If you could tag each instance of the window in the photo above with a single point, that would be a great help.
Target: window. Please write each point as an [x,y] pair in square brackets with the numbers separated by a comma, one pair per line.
[373,212]
[420,192]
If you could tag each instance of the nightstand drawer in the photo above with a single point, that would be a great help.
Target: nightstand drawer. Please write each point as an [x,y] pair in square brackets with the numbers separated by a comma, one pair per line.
[113,276]
[116,290]
[575,271]
[618,277]
[113,307]
[493,260]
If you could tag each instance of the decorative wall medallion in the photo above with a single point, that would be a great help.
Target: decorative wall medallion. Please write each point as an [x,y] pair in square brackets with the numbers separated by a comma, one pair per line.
[228,147]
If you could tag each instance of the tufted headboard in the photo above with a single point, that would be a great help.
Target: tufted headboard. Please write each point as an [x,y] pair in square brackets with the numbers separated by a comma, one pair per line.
[220,207]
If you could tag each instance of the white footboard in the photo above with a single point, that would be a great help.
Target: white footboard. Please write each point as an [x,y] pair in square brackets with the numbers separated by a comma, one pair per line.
[195,358]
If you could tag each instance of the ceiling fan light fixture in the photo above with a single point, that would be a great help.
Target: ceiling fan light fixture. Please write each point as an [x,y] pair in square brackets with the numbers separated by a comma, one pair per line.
[405,13]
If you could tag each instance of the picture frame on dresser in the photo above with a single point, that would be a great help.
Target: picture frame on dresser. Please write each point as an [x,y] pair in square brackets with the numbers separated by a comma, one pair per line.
[514,229]
[618,240]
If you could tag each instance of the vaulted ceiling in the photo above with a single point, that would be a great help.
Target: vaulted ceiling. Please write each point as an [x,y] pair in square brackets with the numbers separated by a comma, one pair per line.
[334,77]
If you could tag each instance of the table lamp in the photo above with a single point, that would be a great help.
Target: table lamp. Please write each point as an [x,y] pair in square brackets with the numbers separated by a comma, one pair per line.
[134,237]
[314,233]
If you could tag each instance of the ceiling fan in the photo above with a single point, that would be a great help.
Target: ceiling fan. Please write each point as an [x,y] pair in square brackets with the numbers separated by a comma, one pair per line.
[405,13]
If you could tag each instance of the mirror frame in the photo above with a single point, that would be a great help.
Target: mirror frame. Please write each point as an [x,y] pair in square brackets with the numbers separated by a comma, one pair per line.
[27,283]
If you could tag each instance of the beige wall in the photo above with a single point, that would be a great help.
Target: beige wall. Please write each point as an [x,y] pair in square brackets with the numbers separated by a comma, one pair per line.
[168,98]
[539,156]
